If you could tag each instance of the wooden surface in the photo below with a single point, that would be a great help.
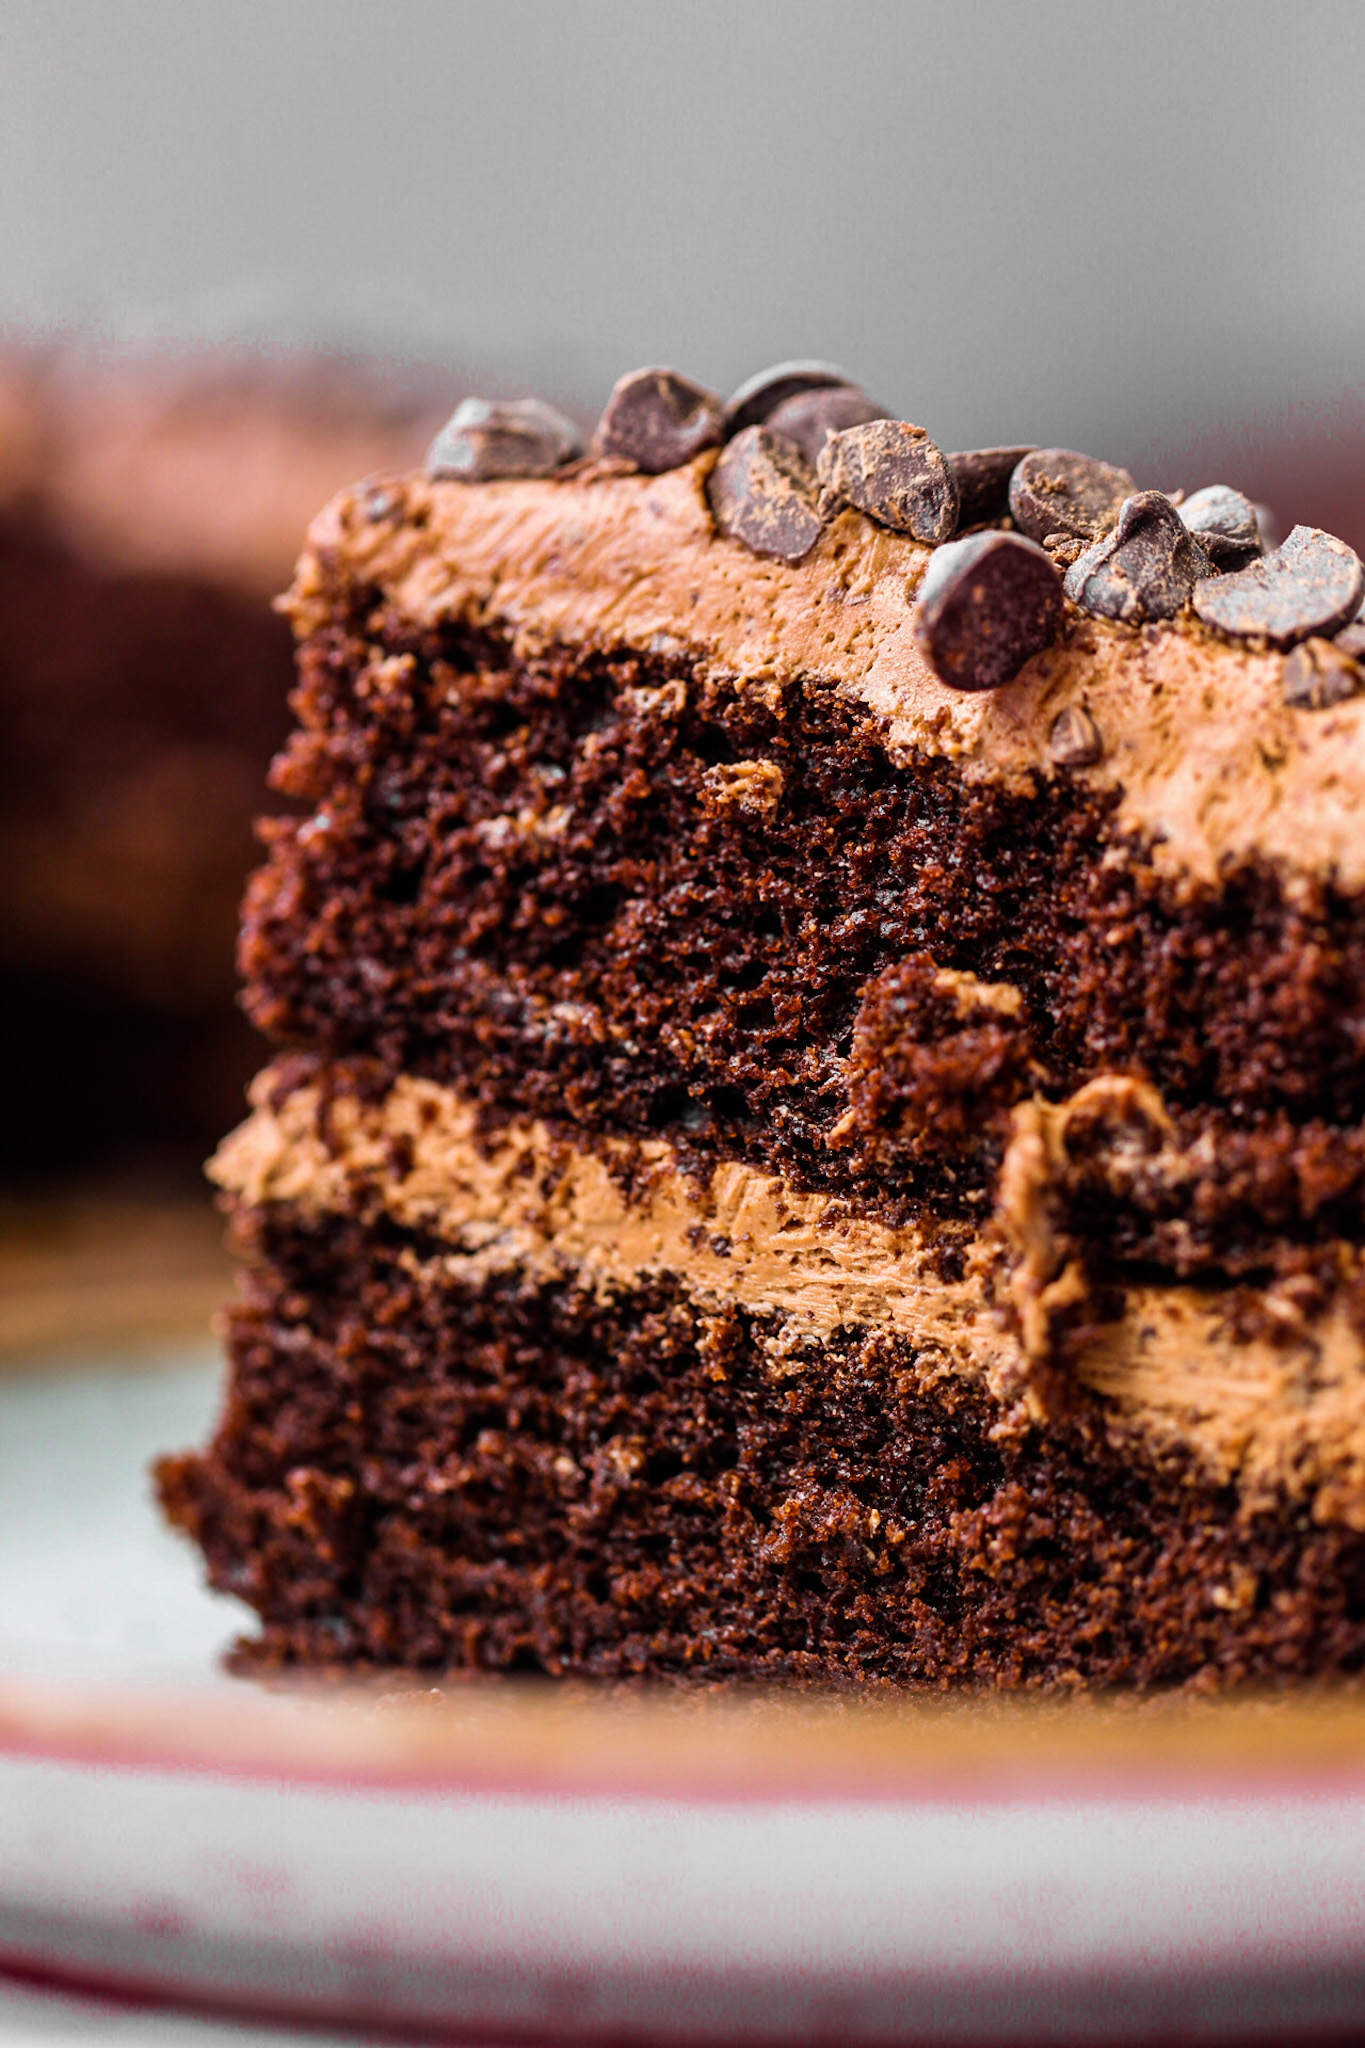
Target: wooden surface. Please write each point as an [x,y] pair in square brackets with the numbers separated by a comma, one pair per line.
[107,1272]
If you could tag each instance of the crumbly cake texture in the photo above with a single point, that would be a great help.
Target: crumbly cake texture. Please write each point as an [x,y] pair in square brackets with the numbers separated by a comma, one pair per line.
[786,1158]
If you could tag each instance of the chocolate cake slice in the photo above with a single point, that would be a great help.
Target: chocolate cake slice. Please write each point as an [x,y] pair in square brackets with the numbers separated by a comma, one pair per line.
[819,1122]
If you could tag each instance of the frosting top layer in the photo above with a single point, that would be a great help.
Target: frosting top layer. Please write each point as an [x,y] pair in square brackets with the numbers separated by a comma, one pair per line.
[1212,765]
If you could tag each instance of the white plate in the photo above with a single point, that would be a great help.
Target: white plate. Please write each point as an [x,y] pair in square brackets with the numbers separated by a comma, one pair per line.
[545,1866]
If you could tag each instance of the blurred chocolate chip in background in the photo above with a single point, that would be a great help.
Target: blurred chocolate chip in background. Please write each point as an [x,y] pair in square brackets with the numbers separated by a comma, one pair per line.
[1351,638]
[1145,569]
[810,417]
[983,477]
[764,493]
[987,604]
[1225,523]
[658,420]
[1311,585]
[482,441]
[1054,490]
[1074,741]
[1271,528]
[893,472]
[1318,673]
[758,397]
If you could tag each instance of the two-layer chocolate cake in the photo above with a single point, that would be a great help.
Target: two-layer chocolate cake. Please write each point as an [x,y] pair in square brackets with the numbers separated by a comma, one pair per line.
[819,1128]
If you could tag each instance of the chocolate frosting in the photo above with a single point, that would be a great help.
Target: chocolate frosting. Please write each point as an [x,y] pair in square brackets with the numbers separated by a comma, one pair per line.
[1210,762]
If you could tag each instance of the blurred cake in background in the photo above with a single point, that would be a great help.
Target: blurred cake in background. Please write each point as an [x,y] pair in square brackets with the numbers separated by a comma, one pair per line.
[150,509]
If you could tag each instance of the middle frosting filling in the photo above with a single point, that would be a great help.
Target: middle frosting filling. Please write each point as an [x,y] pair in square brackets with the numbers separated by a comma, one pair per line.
[1278,1416]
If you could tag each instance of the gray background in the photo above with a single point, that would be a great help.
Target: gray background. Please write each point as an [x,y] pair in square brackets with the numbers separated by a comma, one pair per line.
[1131,228]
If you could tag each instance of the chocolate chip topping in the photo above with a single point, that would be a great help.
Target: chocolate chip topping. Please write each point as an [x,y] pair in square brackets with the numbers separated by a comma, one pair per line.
[763,492]
[1145,569]
[1311,585]
[1225,523]
[1318,673]
[658,420]
[1074,741]
[812,415]
[983,482]
[986,605]
[1055,491]
[482,441]
[758,397]
[893,472]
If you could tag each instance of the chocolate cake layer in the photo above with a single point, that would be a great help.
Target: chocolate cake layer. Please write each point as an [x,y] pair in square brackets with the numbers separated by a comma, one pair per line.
[422,1466]
[710,892]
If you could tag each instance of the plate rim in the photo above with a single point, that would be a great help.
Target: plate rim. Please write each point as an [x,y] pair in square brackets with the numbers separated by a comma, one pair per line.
[409,1733]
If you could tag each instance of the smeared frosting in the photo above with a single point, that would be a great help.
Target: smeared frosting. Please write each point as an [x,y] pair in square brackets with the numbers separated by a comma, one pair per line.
[1274,1418]
[1210,761]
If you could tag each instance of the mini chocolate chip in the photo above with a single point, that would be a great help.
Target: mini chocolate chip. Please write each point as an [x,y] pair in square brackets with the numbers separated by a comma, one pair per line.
[986,605]
[482,441]
[1145,569]
[983,482]
[893,472]
[658,420]
[1311,585]
[812,415]
[758,397]
[1225,523]
[1054,491]
[1074,741]
[763,492]
[1317,674]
